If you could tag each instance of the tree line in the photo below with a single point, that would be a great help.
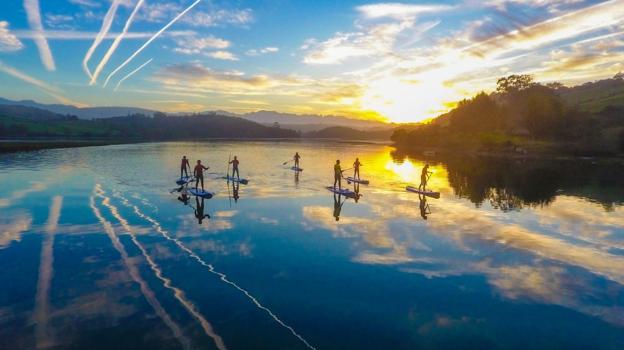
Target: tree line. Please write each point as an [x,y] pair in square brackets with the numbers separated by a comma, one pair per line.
[522,114]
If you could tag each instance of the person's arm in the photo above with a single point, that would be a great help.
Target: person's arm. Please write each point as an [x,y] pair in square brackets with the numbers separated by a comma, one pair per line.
[205,167]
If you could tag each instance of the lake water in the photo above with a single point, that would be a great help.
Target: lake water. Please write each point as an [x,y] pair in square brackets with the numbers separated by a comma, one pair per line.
[97,253]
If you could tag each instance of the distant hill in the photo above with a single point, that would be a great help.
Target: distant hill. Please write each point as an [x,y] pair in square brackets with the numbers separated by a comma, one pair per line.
[344,133]
[82,113]
[31,113]
[595,96]
[159,127]
[270,117]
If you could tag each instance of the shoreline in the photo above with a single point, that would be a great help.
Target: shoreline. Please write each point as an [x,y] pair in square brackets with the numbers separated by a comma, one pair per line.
[33,144]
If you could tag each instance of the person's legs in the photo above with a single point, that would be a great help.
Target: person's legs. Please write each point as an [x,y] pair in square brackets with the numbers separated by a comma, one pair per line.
[237,174]
[202,182]
[335,180]
[196,182]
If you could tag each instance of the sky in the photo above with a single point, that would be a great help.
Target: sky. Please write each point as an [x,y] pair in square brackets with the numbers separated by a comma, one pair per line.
[391,61]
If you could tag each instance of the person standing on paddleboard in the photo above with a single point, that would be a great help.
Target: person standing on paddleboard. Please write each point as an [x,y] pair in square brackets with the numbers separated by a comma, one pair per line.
[235,163]
[337,174]
[424,177]
[184,166]
[199,174]
[356,168]
[296,158]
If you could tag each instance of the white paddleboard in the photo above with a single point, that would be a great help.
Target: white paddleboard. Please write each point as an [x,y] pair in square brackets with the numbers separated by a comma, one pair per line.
[360,181]
[200,193]
[342,191]
[426,193]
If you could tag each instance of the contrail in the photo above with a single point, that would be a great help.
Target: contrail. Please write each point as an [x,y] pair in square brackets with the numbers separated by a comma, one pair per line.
[131,74]
[134,273]
[42,299]
[33,13]
[106,24]
[115,43]
[158,33]
[179,294]
[223,277]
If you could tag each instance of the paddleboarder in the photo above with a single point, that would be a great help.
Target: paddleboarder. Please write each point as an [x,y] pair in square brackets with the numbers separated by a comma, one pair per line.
[199,174]
[424,177]
[356,168]
[184,166]
[337,174]
[296,158]
[235,163]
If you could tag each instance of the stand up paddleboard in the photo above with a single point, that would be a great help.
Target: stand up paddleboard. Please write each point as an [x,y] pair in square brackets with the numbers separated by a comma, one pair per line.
[296,168]
[235,179]
[342,191]
[351,179]
[200,193]
[184,180]
[426,193]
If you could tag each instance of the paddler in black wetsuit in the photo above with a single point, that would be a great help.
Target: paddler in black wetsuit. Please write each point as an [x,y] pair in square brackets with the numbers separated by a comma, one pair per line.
[337,174]
[296,158]
[356,168]
[184,166]
[199,174]
[235,163]
[424,177]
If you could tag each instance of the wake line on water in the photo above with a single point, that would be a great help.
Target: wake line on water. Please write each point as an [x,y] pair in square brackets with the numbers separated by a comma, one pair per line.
[178,293]
[134,273]
[211,269]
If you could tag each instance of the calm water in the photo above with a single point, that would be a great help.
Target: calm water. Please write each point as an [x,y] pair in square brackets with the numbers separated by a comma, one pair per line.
[95,252]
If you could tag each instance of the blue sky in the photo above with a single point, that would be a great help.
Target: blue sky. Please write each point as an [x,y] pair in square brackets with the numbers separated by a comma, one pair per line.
[399,61]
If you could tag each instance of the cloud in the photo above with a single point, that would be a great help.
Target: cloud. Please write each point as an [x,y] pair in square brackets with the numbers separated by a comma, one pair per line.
[206,16]
[222,55]
[34,20]
[220,17]
[258,52]
[12,230]
[43,86]
[196,45]
[196,75]
[59,21]
[8,41]
[398,10]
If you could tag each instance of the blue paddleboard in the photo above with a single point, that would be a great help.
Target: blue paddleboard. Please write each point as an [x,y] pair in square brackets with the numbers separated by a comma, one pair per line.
[341,191]
[296,168]
[200,193]
[184,180]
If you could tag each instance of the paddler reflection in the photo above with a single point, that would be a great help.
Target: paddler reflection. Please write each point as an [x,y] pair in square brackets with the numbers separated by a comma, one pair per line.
[199,210]
[235,187]
[338,202]
[424,207]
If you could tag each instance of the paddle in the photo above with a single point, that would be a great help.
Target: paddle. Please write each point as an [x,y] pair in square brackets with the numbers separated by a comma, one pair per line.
[228,168]
[287,162]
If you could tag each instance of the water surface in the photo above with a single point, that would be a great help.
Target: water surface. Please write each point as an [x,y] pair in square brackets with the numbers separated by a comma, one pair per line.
[96,252]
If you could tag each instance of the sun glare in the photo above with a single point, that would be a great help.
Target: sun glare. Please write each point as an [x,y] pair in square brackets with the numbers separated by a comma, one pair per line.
[407,101]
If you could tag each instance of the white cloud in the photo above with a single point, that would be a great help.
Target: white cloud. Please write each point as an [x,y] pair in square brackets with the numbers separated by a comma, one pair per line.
[208,17]
[196,45]
[34,20]
[79,35]
[222,55]
[398,10]
[8,41]
[59,21]
[258,52]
